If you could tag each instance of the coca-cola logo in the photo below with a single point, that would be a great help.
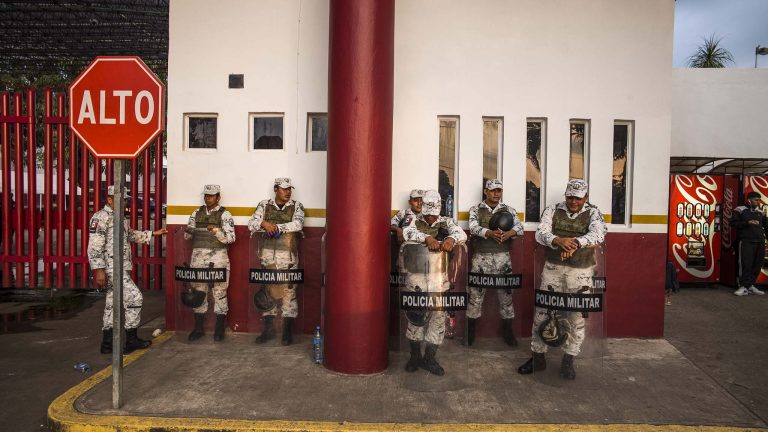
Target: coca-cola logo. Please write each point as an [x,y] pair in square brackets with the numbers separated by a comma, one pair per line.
[727,213]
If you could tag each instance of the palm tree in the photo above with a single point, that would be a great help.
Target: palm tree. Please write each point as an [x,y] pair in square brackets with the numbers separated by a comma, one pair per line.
[710,54]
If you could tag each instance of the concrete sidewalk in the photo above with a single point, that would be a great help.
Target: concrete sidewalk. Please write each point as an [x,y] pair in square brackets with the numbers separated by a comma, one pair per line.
[237,385]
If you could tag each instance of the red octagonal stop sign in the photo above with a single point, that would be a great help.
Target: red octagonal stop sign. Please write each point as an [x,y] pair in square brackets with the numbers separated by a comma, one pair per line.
[116,106]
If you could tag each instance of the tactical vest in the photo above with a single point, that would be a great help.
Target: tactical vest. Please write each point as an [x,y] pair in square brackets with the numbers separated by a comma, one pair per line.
[439,232]
[286,241]
[563,226]
[202,238]
[276,216]
[484,244]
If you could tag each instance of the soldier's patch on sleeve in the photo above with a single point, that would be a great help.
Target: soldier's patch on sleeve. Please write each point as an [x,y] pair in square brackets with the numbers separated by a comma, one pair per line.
[408,220]
[94,225]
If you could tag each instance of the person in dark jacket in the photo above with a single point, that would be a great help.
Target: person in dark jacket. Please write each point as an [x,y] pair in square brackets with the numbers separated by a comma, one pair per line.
[752,226]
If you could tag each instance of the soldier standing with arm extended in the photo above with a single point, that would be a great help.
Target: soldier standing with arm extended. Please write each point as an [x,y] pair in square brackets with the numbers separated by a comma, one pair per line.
[567,230]
[490,255]
[275,217]
[211,229]
[752,226]
[398,220]
[426,229]
[100,255]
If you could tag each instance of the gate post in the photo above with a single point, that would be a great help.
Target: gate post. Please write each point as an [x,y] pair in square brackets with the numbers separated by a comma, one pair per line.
[360,100]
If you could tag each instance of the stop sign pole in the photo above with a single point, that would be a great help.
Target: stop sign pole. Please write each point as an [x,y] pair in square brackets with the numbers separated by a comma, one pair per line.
[116,108]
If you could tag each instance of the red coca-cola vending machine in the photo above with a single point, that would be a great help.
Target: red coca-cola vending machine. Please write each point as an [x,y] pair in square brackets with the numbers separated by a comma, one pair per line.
[759,184]
[695,205]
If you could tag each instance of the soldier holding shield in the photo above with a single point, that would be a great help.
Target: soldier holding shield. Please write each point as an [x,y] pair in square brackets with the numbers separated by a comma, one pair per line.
[211,229]
[491,255]
[280,220]
[439,234]
[568,230]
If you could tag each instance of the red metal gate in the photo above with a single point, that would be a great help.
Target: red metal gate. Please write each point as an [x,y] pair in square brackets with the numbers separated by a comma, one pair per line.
[39,194]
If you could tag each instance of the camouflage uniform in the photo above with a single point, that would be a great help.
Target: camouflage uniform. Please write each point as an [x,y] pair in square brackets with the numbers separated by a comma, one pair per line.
[401,216]
[100,254]
[211,248]
[589,229]
[488,256]
[289,219]
[417,230]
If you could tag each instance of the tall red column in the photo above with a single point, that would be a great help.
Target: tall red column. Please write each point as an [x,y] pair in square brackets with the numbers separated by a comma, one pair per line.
[360,94]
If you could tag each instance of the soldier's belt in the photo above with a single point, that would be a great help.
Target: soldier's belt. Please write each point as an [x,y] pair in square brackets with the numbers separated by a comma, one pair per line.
[207,274]
[570,302]
[432,301]
[495,281]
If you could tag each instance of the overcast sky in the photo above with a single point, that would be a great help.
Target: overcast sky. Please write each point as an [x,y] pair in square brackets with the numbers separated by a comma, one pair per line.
[742,25]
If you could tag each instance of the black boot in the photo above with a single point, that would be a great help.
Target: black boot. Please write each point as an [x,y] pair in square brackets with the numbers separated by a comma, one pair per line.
[132,341]
[508,332]
[536,363]
[106,341]
[197,333]
[430,363]
[471,323]
[287,331]
[566,367]
[415,361]
[268,332]
[218,333]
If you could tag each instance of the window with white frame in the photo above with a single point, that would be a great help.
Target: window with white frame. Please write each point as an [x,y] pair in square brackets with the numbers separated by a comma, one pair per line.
[449,147]
[493,132]
[535,160]
[317,131]
[200,131]
[621,191]
[266,131]
[579,154]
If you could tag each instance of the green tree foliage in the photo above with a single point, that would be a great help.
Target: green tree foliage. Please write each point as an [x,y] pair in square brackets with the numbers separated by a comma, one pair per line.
[710,54]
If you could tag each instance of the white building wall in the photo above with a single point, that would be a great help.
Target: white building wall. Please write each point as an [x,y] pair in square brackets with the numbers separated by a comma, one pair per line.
[720,113]
[602,60]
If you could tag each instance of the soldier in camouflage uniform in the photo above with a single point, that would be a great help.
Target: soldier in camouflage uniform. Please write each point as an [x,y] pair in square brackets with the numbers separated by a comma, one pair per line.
[568,230]
[274,217]
[426,229]
[100,255]
[398,220]
[211,229]
[490,254]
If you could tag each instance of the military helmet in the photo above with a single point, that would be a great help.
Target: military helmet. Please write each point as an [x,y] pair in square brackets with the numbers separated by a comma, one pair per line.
[554,331]
[502,220]
[417,317]
[263,301]
[192,298]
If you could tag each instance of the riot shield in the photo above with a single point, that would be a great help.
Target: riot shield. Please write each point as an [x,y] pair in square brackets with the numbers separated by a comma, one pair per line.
[196,279]
[494,279]
[275,275]
[432,301]
[569,321]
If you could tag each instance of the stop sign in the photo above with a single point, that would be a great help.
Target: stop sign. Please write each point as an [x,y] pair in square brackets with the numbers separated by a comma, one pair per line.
[116,106]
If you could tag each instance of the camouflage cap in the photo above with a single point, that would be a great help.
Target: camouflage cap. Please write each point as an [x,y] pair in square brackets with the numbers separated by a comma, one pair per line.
[431,204]
[576,188]
[211,189]
[753,194]
[493,184]
[283,182]
[417,193]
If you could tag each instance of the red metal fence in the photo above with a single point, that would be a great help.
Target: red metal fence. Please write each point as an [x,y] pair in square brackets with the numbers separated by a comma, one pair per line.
[74,185]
